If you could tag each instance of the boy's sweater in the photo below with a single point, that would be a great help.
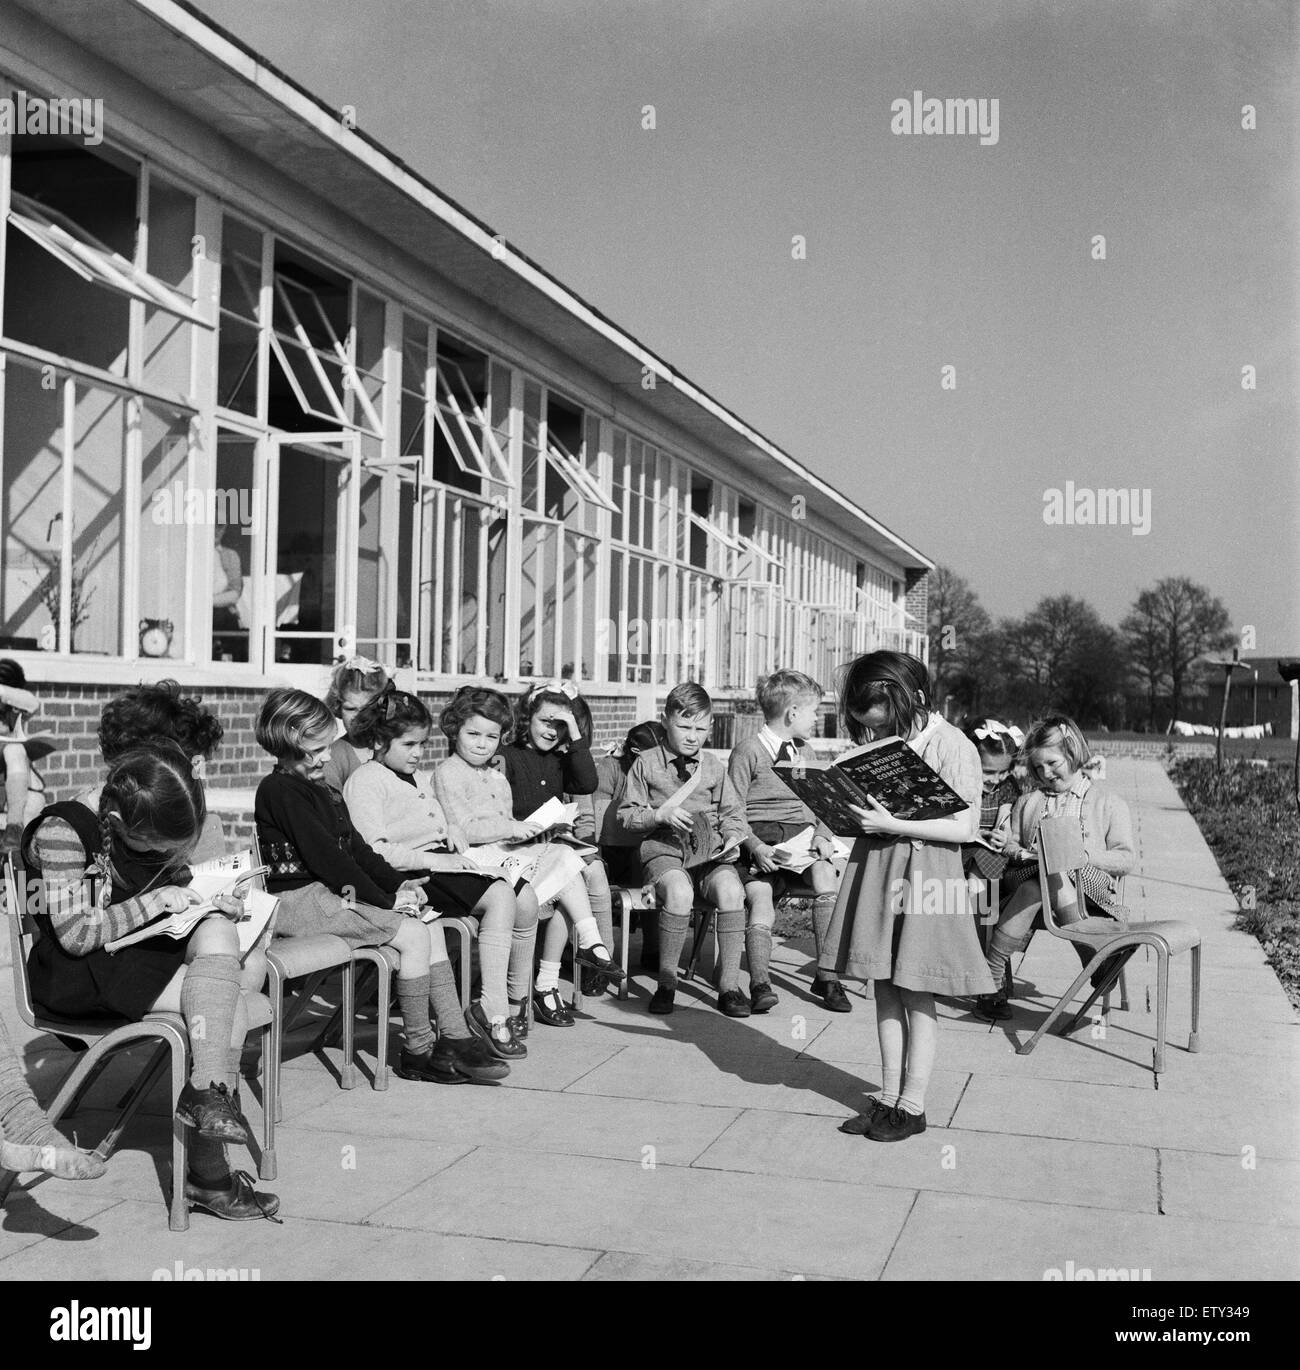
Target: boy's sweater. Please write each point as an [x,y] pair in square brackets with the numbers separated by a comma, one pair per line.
[306,835]
[399,815]
[766,797]
[537,776]
[654,779]
[478,798]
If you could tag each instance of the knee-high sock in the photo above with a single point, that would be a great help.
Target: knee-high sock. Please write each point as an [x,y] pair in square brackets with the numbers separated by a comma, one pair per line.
[1000,948]
[445,1002]
[210,998]
[758,949]
[523,943]
[495,951]
[413,1001]
[672,936]
[731,942]
[602,909]
[22,1119]
[822,909]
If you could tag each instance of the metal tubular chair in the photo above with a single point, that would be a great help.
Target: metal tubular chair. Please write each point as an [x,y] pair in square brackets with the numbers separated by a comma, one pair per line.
[1060,853]
[103,1038]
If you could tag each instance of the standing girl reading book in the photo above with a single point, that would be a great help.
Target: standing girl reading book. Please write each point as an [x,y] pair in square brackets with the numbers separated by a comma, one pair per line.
[552,758]
[878,931]
[393,804]
[329,880]
[108,870]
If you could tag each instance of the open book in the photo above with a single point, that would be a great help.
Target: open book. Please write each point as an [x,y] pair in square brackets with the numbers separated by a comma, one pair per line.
[796,853]
[981,838]
[888,770]
[220,876]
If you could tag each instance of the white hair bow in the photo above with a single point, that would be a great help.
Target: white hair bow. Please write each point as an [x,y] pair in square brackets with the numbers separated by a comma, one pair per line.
[560,687]
[366,665]
[995,729]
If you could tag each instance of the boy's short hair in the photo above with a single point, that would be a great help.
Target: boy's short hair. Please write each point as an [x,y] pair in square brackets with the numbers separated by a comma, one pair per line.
[1059,730]
[470,700]
[782,689]
[286,717]
[687,699]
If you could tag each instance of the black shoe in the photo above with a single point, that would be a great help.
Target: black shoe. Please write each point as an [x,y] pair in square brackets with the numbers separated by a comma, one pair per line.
[597,958]
[550,1008]
[831,993]
[733,1003]
[662,1001]
[471,1059]
[762,998]
[994,1007]
[594,984]
[236,1201]
[859,1126]
[519,1022]
[895,1125]
[214,1112]
[501,1040]
[429,1066]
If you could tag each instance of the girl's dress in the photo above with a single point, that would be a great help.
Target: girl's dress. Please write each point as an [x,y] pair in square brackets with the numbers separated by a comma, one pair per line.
[881,925]
[99,985]
[979,860]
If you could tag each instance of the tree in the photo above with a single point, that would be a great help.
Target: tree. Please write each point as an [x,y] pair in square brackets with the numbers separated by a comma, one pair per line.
[957,625]
[1172,624]
[1144,645]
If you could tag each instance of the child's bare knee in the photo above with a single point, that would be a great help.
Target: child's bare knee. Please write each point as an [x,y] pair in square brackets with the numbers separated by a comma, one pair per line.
[674,891]
[216,937]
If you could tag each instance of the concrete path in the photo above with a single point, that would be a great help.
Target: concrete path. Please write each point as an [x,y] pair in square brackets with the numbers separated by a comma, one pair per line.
[698,1147]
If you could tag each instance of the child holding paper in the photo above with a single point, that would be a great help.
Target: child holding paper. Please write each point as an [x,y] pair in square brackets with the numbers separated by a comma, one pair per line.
[681,798]
[789,701]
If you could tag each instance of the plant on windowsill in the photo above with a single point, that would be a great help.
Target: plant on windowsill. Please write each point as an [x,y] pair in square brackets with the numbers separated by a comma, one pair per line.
[50,590]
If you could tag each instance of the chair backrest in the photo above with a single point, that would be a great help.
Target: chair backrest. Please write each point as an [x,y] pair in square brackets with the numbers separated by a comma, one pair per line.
[22,935]
[1060,853]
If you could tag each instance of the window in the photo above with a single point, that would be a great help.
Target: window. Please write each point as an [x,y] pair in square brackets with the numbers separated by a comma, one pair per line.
[239,317]
[465,435]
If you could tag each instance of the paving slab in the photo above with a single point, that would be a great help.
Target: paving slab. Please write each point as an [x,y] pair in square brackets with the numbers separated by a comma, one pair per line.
[949,1160]
[1106,1113]
[749,1077]
[579,1125]
[49,1214]
[1231,1188]
[135,1244]
[960,1237]
[787,1223]
[625,1265]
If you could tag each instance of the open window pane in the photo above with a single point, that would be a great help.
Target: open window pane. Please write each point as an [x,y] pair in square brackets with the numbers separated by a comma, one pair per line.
[307,568]
[168,340]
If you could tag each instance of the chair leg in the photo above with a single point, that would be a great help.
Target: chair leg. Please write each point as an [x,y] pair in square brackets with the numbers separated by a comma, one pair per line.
[1103,990]
[179,1220]
[625,921]
[385,994]
[275,992]
[1194,1036]
[311,983]
[347,1067]
[1162,1006]
[266,1163]
[577,971]
[697,942]
[463,939]
[1058,1009]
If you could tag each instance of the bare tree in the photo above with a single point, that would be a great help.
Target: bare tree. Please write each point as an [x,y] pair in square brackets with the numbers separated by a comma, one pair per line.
[1174,623]
[957,625]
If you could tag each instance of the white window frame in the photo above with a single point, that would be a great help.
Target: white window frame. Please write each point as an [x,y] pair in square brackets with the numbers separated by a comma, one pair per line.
[498,468]
[576,476]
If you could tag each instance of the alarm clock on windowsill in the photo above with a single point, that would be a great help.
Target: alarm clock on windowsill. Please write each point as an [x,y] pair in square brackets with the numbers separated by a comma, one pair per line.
[156,636]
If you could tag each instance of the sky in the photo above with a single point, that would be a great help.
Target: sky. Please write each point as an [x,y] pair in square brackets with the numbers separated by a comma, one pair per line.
[1116,118]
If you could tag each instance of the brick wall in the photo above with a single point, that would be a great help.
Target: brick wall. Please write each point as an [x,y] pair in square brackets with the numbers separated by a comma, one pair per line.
[71,713]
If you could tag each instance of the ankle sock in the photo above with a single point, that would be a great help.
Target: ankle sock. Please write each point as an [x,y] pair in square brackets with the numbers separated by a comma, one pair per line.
[445,1002]
[413,1001]
[912,1101]
[588,933]
[730,924]
[887,1099]
[758,951]
[209,994]
[672,937]
[548,976]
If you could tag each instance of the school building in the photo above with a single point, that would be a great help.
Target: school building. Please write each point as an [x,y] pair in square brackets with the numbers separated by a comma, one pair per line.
[269,396]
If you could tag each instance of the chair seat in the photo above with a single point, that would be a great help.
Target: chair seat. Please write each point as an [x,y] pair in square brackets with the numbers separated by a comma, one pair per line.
[1176,935]
[298,956]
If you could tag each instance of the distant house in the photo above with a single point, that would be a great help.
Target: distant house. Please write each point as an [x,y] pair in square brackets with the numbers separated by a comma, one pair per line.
[1258,695]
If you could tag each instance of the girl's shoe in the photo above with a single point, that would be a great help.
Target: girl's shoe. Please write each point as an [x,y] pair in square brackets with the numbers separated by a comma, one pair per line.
[237,1201]
[519,1022]
[831,993]
[662,1001]
[895,1125]
[762,998]
[214,1112]
[66,1162]
[597,958]
[861,1125]
[550,1008]
[993,1007]
[499,1038]
[594,983]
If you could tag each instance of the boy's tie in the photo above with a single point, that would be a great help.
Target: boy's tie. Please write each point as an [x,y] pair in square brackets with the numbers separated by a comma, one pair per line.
[785,752]
[684,766]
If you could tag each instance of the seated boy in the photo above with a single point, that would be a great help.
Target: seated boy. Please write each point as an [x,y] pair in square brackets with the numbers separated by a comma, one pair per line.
[691,842]
[775,813]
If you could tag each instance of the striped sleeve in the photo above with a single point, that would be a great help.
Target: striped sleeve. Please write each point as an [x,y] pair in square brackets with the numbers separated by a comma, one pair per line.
[79,925]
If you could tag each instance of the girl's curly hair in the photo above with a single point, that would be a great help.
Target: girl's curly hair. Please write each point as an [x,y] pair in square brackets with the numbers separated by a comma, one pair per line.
[387,716]
[146,713]
[474,699]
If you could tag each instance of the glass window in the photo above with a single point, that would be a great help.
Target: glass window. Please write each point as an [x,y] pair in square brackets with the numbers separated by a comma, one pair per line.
[237,338]
[232,570]
[164,537]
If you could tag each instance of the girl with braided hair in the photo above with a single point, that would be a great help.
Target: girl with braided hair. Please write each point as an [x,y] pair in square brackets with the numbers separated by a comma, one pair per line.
[109,863]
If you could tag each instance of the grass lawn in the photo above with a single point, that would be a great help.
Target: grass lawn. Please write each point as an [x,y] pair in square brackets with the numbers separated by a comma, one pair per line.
[1248,817]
